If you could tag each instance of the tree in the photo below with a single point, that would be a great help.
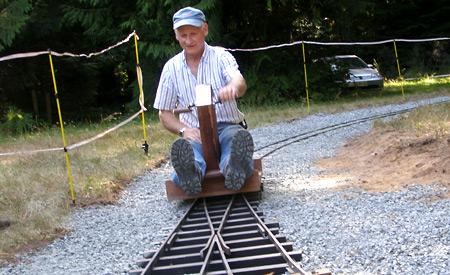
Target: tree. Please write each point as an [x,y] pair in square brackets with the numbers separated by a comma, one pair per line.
[107,21]
[13,17]
[108,82]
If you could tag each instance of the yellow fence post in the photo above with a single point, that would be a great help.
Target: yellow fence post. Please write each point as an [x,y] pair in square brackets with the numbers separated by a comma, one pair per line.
[69,173]
[141,93]
[306,76]
[398,68]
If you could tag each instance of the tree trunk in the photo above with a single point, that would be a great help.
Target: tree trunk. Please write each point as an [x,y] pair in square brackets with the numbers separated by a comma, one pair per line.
[48,107]
[35,103]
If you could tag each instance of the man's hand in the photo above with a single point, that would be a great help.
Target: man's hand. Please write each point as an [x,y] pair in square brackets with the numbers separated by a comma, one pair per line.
[192,134]
[234,89]
[171,123]
[228,92]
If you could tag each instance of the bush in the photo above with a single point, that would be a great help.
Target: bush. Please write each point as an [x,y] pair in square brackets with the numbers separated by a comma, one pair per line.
[17,122]
[322,81]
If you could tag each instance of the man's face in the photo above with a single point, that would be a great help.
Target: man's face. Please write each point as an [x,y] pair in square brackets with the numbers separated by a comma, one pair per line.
[192,38]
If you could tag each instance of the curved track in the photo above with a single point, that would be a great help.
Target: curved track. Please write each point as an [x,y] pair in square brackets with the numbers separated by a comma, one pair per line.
[229,235]
[271,148]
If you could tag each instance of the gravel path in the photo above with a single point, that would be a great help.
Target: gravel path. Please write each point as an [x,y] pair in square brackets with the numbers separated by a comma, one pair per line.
[348,231]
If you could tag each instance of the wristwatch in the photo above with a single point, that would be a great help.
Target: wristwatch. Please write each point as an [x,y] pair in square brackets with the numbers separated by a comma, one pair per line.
[181,131]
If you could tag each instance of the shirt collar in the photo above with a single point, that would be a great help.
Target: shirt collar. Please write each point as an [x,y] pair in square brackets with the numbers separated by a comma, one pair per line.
[204,54]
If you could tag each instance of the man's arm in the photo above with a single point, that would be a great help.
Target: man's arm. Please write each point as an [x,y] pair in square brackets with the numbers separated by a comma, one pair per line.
[235,89]
[174,125]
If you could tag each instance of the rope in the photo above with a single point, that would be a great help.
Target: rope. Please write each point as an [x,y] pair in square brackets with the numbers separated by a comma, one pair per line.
[87,141]
[33,54]
[89,55]
[30,152]
[140,78]
[140,81]
[75,145]
[336,43]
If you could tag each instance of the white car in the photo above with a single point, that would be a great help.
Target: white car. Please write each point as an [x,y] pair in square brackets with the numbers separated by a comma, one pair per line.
[352,71]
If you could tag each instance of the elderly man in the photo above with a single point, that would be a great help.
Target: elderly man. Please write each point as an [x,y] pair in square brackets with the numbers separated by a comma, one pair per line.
[200,63]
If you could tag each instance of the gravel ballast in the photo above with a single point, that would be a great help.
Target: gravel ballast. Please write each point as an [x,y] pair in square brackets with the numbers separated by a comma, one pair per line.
[348,231]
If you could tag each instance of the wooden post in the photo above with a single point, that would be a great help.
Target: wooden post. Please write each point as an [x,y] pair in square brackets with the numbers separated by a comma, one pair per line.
[209,136]
[208,126]
[213,183]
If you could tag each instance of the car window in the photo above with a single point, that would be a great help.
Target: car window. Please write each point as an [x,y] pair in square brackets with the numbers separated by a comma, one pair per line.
[351,63]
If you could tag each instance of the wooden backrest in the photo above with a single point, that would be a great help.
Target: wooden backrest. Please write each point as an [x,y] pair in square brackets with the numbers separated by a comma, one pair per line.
[209,136]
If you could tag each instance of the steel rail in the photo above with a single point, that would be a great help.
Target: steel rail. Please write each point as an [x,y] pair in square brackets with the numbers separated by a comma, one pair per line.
[166,246]
[303,136]
[225,216]
[293,265]
[219,230]
[251,253]
[205,265]
[211,228]
[309,134]
[216,239]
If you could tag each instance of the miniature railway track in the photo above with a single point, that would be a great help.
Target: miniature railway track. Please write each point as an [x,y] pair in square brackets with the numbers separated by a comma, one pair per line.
[279,144]
[225,235]
[229,235]
[273,147]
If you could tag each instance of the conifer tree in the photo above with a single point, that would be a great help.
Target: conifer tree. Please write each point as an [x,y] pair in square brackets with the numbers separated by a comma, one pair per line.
[13,16]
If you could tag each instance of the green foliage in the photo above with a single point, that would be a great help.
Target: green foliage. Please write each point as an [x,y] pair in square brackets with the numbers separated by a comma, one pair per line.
[107,21]
[272,82]
[256,94]
[17,122]
[13,16]
[107,83]
[98,18]
[321,81]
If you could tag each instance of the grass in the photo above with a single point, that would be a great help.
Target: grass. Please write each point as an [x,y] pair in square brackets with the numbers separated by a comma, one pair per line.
[428,120]
[427,87]
[433,120]
[34,191]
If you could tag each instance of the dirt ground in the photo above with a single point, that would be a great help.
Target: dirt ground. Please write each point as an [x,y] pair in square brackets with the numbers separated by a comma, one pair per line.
[387,160]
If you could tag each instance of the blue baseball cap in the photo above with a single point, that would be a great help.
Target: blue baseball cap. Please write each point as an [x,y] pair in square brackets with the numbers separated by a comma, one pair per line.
[188,16]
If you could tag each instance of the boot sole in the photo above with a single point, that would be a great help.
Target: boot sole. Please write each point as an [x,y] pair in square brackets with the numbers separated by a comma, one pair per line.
[241,155]
[183,161]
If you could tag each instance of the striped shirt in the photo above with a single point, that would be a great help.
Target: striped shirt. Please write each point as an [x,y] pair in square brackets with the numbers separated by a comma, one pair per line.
[177,85]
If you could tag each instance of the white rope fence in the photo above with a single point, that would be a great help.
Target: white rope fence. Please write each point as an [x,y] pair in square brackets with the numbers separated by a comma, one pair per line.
[78,144]
[140,78]
[127,39]
[30,152]
[94,138]
[302,43]
[33,54]
[336,44]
